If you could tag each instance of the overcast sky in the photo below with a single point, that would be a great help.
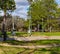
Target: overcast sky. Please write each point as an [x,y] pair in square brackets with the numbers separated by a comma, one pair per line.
[22,6]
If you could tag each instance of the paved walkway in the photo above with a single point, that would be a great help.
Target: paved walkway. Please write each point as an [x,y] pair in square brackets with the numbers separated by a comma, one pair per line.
[37,38]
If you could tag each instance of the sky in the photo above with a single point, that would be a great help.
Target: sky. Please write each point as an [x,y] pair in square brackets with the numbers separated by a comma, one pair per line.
[58,1]
[21,8]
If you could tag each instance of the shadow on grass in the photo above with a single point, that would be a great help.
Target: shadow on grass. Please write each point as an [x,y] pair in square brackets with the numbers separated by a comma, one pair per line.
[53,50]
[34,43]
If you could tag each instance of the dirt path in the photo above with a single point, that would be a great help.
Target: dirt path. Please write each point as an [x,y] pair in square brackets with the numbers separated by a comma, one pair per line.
[31,38]
[30,47]
[37,38]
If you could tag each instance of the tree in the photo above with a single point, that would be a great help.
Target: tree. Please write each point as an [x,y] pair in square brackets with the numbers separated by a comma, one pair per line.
[43,9]
[6,6]
[51,8]
[19,23]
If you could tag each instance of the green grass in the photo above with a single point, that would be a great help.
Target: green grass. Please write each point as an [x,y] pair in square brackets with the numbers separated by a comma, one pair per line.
[25,34]
[12,50]
[18,34]
[30,43]
[36,34]
[16,50]
[46,33]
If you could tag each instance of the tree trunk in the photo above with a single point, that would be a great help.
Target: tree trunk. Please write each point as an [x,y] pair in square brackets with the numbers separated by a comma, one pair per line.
[38,28]
[4,32]
[50,29]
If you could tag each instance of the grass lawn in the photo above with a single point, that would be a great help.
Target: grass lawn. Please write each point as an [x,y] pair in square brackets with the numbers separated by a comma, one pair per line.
[30,43]
[16,50]
[46,33]
[12,50]
[24,34]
